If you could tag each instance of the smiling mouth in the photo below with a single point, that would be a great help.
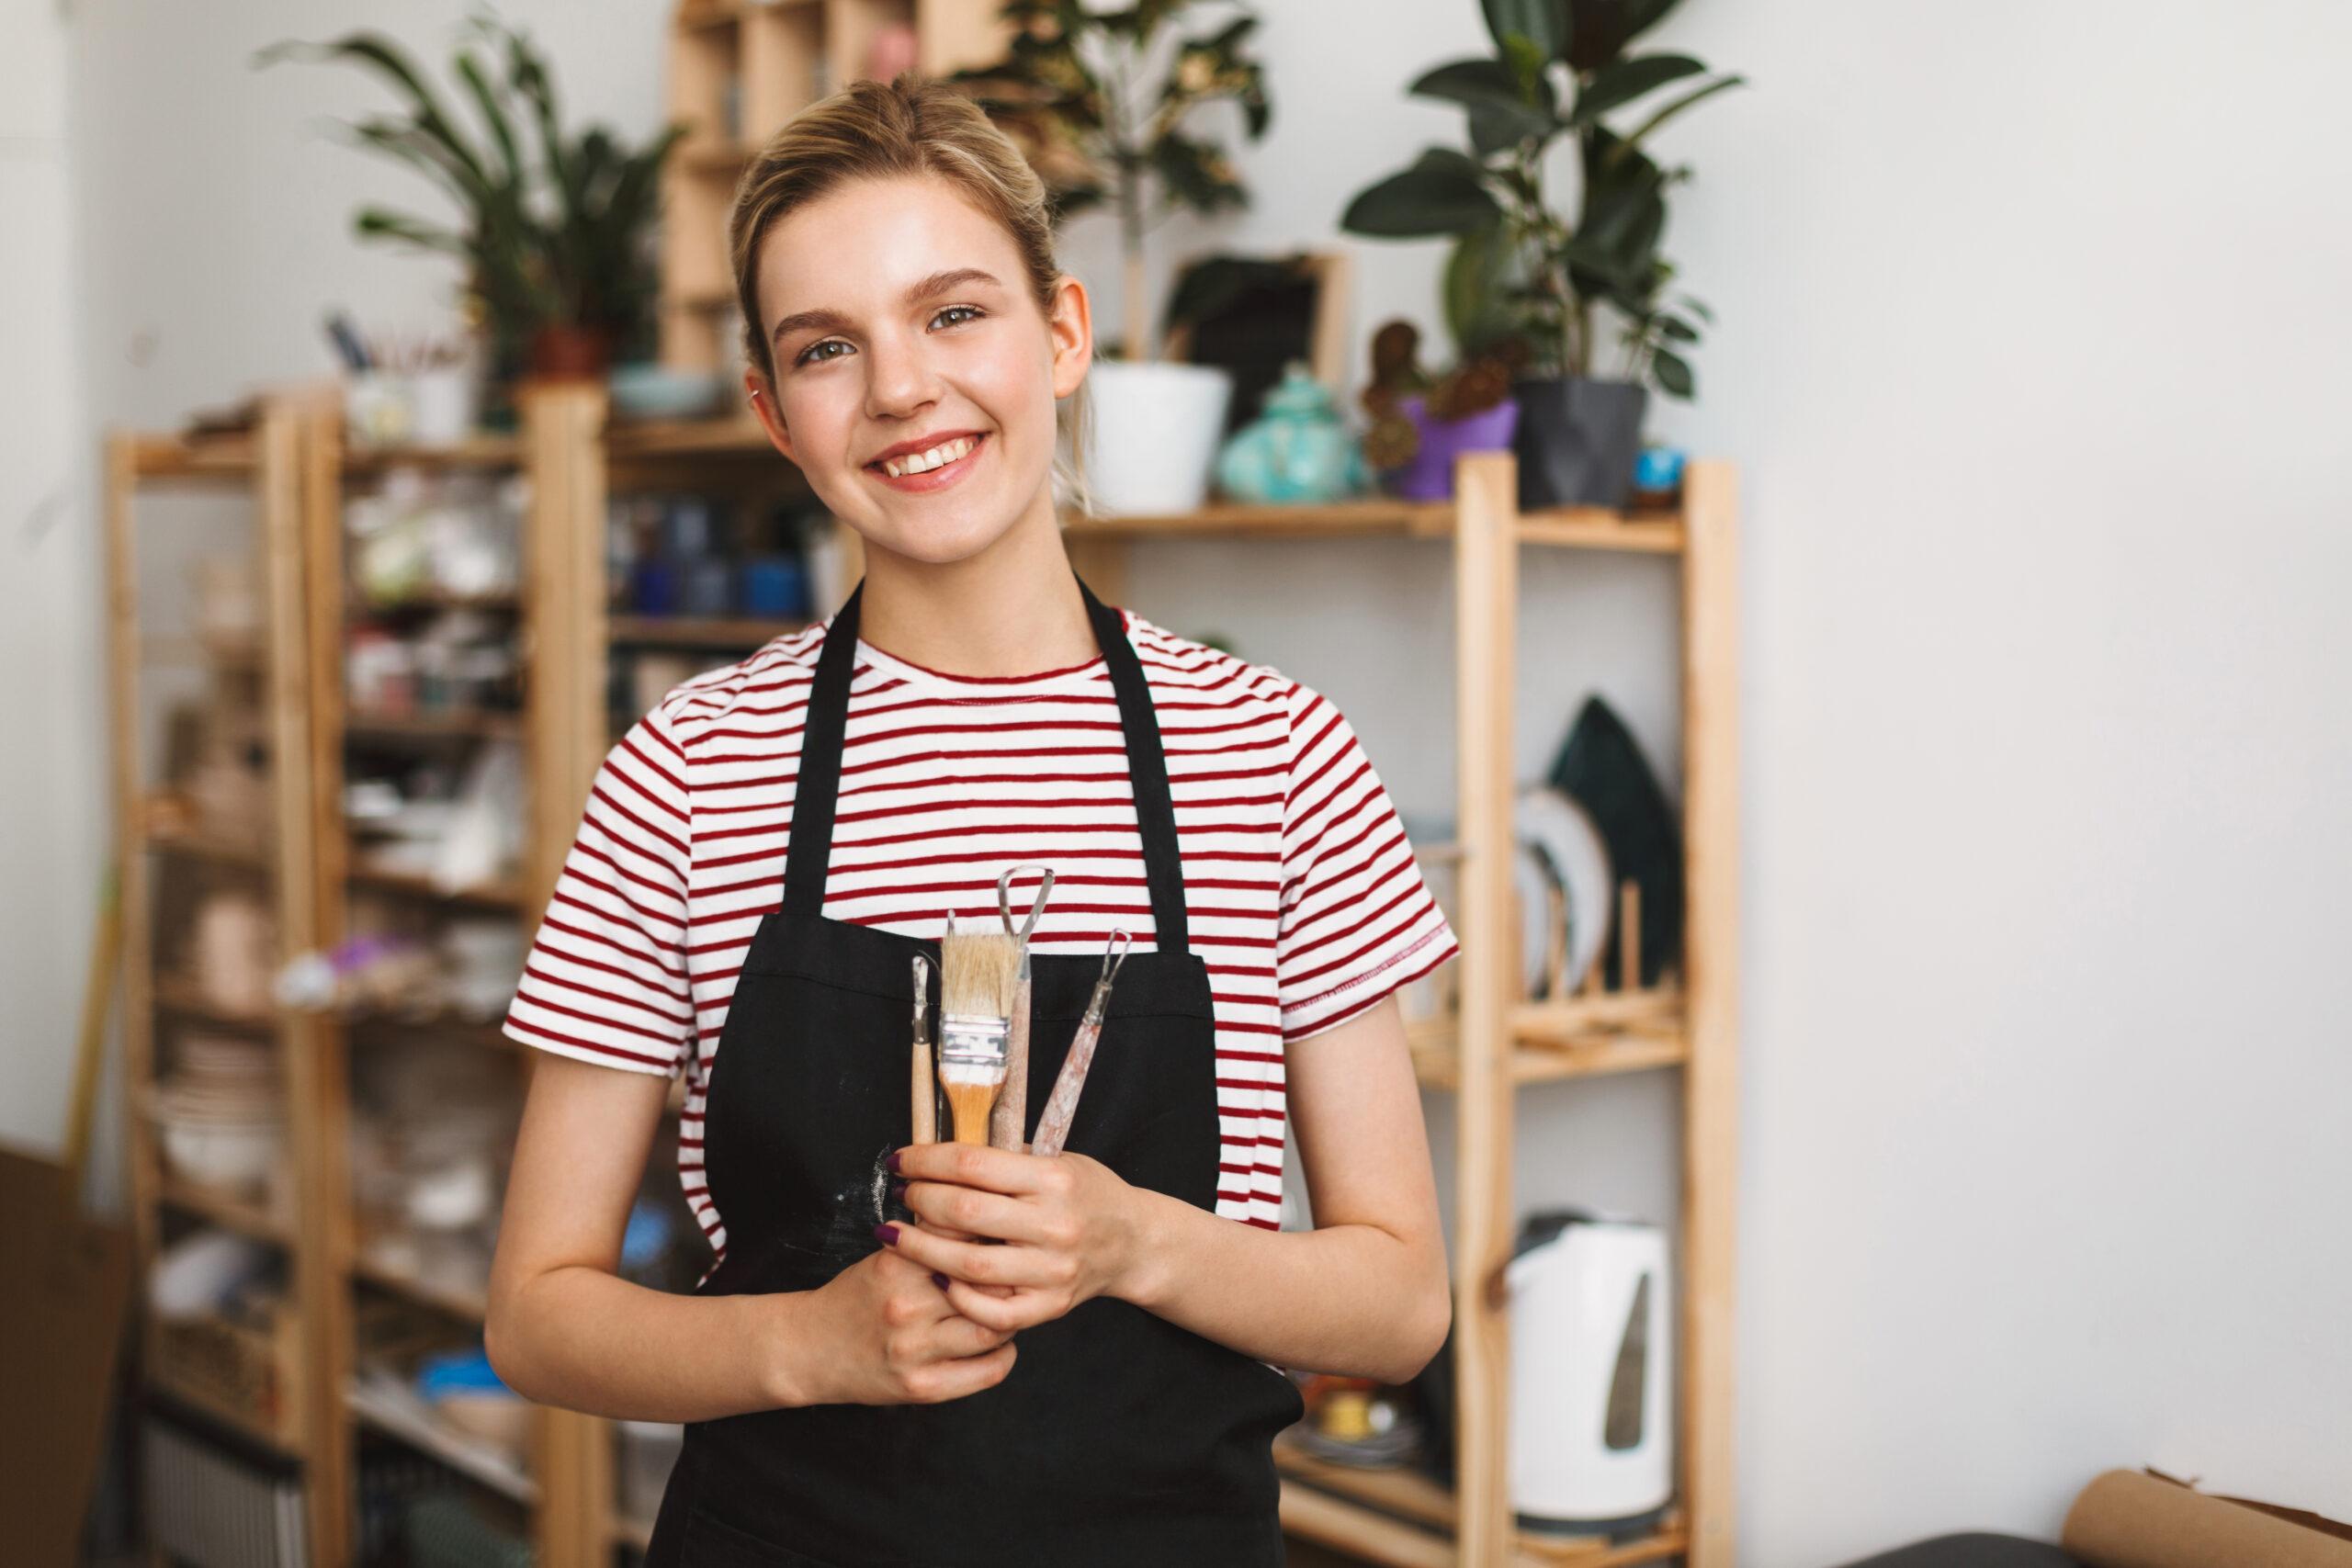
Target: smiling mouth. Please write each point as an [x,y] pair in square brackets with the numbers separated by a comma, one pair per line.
[933,479]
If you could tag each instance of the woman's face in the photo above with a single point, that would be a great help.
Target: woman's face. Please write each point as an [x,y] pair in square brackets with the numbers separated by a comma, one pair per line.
[896,312]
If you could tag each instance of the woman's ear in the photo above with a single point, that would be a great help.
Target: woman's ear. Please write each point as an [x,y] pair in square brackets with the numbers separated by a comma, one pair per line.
[763,400]
[1070,326]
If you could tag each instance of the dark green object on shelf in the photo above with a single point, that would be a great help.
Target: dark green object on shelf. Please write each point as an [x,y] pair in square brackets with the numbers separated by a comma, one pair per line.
[1601,768]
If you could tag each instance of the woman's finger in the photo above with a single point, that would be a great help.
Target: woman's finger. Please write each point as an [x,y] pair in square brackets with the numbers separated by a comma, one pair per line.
[944,1205]
[975,1165]
[973,1262]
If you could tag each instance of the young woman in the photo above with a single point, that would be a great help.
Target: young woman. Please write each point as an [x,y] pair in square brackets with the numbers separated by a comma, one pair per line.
[1095,1377]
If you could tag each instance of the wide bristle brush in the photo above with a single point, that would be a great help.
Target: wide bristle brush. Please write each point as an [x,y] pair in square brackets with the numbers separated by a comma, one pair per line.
[977,970]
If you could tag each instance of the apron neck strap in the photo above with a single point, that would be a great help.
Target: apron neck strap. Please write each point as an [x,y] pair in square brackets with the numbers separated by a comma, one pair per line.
[809,847]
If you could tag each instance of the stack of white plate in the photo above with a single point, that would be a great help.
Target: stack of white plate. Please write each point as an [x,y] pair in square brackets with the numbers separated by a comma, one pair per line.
[222,1111]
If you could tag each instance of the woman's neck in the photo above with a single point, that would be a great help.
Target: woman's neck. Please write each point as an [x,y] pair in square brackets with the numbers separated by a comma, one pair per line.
[1013,609]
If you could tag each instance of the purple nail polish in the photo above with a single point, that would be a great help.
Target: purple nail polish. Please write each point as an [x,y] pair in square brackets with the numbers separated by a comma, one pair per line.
[888,1234]
[893,1161]
[940,1280]
[897,1192]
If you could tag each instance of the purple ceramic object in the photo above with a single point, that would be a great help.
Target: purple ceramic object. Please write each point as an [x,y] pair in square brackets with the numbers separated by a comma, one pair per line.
[1429,476]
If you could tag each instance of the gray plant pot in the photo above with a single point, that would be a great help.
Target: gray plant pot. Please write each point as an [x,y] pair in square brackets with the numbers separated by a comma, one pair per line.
[1577,440]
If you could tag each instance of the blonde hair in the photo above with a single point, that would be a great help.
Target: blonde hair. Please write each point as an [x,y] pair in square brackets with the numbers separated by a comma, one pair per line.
[876,131]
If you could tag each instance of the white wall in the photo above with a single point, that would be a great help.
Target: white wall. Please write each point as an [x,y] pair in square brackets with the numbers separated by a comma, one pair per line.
[52,705]
[2030,320]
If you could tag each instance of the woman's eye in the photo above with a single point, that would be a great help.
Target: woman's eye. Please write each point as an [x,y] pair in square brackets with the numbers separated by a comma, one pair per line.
[811,356]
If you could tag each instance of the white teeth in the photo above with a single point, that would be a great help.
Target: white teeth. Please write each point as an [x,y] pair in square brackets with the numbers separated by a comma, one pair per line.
[923,462]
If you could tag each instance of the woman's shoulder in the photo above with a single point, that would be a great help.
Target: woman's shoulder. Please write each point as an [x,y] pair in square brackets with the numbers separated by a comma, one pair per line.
[759,682]
[1185,670]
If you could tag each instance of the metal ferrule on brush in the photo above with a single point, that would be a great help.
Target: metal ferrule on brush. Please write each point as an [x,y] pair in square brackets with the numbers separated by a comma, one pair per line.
[973,1041]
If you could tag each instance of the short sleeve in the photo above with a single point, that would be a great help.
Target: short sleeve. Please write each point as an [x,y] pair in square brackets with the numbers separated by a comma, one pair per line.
[1358,920]
[605,979]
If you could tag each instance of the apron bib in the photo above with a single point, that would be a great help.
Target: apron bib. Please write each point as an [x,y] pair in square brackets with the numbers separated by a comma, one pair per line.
[1118,1437]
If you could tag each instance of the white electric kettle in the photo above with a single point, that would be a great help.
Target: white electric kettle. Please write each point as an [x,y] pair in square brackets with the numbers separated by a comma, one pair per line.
[1591,1356]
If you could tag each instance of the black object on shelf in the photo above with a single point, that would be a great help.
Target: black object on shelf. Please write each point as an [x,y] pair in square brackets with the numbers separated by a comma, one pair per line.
[1602,769]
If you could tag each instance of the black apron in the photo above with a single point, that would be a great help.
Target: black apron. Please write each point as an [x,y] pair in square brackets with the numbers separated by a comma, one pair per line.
[1118,1437]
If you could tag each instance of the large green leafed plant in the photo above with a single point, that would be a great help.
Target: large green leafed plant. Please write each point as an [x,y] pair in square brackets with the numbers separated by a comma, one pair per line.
[1561,70]
[558,236]
[1097,100]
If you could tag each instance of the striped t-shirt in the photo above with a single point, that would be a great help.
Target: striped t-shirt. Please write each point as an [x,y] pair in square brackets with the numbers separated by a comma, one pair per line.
[1305,902]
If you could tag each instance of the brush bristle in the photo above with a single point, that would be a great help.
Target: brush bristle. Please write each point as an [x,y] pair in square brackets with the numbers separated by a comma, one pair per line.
[976,970]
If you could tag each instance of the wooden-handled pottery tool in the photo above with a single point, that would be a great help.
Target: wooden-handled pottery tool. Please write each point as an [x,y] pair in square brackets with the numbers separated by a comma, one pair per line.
[1053,1127]
[1009,1120]
[924,1089]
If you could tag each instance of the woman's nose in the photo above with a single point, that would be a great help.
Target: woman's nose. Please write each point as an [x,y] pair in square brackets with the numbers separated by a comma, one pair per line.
[899,378]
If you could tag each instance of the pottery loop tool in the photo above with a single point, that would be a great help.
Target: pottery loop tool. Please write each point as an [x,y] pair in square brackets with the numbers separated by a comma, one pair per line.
[1053,1127]
[1008,1120]
[922,1085]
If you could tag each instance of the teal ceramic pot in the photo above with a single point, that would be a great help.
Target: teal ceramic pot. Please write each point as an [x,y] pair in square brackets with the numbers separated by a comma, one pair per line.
[1296,450]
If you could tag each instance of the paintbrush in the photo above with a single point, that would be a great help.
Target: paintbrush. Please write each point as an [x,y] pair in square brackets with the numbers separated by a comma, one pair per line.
[1053,1127]
[1009,1120]
[976,970]
[925,1091]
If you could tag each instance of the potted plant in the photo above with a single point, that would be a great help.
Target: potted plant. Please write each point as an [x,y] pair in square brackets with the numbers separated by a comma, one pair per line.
[1421,422]
[557,247]
[1559,69]
[1103,125]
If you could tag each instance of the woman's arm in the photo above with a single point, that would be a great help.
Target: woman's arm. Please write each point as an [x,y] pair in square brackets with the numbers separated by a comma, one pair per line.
[563,1327]
[1363,1293]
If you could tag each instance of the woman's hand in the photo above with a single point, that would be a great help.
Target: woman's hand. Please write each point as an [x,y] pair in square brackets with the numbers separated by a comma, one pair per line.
[895,1339]
[1072,1229]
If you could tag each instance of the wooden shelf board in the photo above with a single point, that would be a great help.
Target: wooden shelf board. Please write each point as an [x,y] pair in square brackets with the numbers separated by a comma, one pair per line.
[468,1456]
[183,999]
[728,435]
[1375,514]
[481,895]
[473,724]
[486,449]
[227,1210]
[467,1305]
[484,1033]
[197,846]
[1597,528]
[180,456]
[432,599]
[1404,1518]
[1552,1040]
[688,631]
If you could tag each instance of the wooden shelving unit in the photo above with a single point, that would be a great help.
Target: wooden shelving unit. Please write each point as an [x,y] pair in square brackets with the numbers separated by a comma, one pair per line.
[739,69]
[259,1384]
[298,476]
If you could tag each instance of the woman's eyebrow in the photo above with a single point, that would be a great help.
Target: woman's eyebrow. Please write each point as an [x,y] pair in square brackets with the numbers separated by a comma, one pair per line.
[938,283]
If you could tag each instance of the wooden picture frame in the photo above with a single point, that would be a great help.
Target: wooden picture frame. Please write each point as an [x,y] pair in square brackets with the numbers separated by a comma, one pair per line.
[1254,314]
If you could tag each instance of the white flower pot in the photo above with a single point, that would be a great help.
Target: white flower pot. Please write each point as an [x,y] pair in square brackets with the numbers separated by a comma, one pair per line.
[1155,433]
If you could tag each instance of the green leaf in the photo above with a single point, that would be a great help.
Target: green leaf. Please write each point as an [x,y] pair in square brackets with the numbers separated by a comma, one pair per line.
[1543,23]
[380,53]
[1600,29]
[1673,373]
[1472,289]
[1634,138]
[1442,193]
[375,223]
[1678,329]
[1622,81]
[494,114]
[1479,81]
